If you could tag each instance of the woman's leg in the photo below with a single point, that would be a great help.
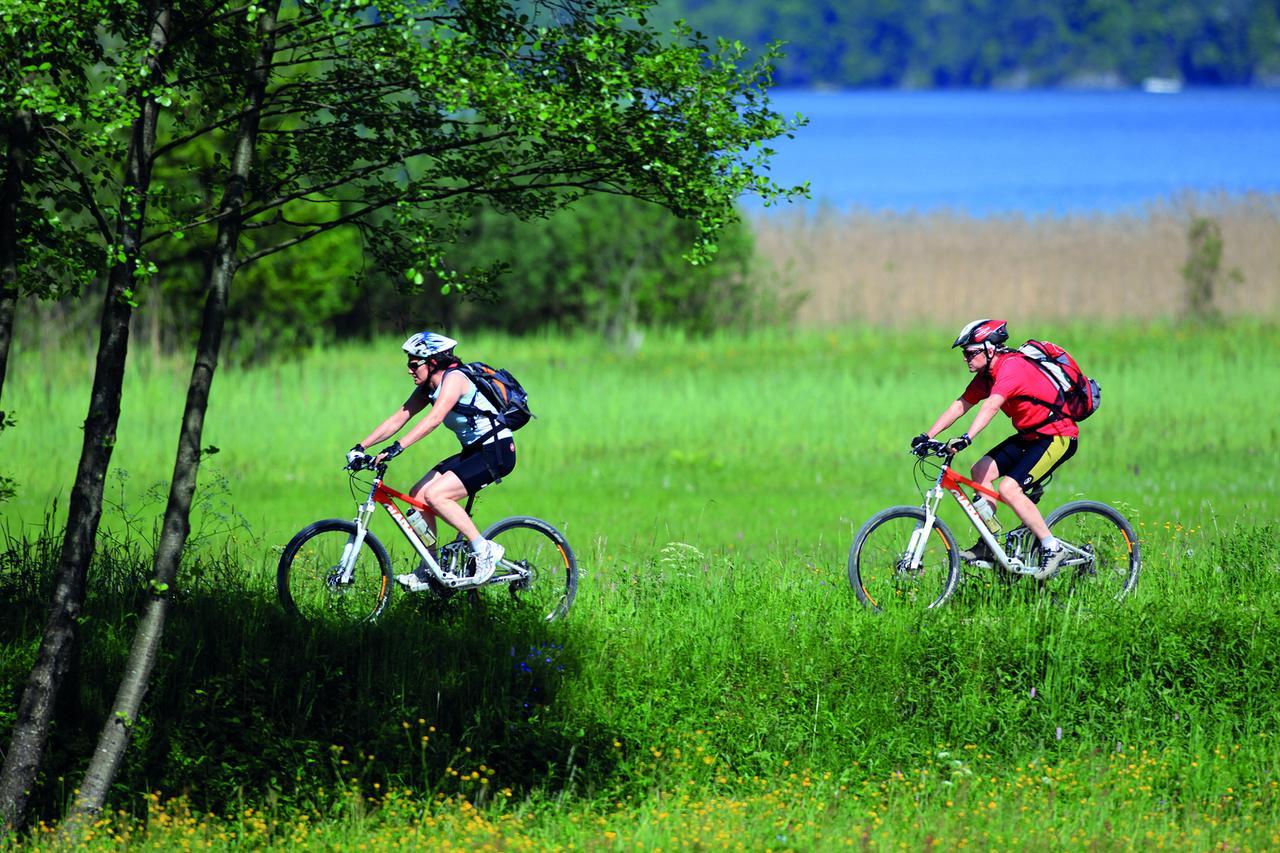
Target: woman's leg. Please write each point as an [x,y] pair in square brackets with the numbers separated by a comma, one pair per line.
[441,493]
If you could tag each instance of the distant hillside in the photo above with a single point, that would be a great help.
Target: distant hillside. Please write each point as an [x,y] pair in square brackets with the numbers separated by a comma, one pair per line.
[981,43]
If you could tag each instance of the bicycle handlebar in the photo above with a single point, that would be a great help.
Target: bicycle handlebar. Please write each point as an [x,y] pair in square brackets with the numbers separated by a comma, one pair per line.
[366,463]
[932,448]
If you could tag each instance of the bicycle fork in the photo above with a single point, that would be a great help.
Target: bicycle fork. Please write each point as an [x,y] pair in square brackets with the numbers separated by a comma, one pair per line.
[920,536]
[347,565]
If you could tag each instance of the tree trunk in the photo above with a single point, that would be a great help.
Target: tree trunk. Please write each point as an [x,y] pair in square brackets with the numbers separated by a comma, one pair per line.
[114,738]
[57,647]
[10,197]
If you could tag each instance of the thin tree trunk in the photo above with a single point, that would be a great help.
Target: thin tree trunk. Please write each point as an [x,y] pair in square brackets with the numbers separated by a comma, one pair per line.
[57,647]
[114,737]
[10,196]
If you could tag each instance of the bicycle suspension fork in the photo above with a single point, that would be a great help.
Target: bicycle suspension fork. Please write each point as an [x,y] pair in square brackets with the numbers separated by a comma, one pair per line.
[363,513]
[920,536]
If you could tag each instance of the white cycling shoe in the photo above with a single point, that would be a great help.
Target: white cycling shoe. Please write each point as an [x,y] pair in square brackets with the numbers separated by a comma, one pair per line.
[1052,564]
[487,557]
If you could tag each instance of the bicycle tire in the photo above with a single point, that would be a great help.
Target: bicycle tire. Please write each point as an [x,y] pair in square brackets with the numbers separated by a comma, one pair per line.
[1115,562]
[537,546]
[304,577]
[874,571]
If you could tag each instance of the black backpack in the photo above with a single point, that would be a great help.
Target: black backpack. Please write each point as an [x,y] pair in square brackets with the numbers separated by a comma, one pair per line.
[501,389]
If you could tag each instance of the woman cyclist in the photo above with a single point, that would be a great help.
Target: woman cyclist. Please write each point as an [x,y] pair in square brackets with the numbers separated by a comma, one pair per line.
[488,449]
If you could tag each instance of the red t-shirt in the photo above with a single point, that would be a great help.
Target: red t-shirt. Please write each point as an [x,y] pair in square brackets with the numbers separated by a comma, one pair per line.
[1014,376]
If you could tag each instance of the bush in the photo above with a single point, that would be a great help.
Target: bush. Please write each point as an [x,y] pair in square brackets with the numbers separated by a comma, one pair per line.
[606,265]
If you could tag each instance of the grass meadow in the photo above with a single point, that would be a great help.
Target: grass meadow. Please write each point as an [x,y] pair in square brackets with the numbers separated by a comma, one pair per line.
[716,684]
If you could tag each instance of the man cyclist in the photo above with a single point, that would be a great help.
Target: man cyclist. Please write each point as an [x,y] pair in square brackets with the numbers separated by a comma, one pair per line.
[488,448]
[1007,381]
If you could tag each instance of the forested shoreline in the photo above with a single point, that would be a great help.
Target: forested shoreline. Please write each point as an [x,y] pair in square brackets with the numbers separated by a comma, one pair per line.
[982,43]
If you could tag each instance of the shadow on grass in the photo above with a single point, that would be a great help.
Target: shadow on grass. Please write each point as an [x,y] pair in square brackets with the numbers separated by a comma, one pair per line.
[248,706]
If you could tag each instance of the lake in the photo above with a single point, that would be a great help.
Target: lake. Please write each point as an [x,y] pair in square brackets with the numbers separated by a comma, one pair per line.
[1028,152]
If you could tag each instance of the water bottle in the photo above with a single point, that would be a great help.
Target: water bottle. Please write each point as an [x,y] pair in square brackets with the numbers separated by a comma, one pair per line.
[419,524]
[987,512]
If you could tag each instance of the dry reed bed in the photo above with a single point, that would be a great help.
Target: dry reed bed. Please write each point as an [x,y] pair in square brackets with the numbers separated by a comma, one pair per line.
[882,268]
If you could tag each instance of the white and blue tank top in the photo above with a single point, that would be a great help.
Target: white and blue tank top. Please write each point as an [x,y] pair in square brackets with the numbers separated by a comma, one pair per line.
[467,426]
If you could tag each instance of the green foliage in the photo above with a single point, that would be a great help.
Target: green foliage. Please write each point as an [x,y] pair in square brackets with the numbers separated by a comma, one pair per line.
[1202,271]
[1204,256]
[604,265]
[8,488]
[943,43]
[395,126]
[62,96]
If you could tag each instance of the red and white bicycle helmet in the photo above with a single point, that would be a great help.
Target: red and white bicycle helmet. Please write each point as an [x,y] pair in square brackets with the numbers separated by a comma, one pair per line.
[428,344]
[994,332]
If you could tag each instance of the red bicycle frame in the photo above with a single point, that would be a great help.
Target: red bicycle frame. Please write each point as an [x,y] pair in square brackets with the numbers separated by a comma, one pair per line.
[953,482]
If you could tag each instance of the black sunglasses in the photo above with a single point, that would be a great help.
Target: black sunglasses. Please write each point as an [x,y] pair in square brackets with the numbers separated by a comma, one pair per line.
[414,364]
[971,354]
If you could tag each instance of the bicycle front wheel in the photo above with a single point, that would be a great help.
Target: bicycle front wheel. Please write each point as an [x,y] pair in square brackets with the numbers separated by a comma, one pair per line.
[537,550]
[879,569]
[1103,559]
[320,580]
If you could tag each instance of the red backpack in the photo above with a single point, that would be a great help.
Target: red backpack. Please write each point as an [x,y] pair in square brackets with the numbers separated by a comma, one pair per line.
[1078,395]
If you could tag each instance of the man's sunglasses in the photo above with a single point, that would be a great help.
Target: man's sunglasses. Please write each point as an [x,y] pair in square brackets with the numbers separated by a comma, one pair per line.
[971,354]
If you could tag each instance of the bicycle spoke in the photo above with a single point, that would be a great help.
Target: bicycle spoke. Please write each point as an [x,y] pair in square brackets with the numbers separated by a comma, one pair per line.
[1103,564]
[880,569]
[547,571]
[316,584]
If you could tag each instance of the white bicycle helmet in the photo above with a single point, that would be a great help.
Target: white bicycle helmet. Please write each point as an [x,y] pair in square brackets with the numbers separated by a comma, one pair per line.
[428,344]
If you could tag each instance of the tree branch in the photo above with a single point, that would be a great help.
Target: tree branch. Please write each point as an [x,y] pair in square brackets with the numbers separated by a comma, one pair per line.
[86,191]
[319,229]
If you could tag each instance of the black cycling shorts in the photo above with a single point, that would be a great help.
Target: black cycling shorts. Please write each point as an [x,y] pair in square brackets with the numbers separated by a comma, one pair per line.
[480,466]
[1030,461]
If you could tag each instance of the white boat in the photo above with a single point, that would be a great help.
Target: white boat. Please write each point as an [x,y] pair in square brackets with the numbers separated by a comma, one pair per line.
[1162,85]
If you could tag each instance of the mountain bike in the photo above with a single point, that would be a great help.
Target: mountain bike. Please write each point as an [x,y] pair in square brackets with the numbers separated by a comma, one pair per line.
[906,556]
[338,570]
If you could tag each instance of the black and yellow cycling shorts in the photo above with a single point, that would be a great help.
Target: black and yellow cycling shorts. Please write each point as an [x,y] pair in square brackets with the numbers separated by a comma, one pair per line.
[1030,460]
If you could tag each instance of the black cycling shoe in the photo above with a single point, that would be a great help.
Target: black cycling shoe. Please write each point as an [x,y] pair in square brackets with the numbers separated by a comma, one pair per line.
[978,552]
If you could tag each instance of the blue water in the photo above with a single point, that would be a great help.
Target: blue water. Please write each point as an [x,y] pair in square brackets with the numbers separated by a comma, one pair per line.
[1034,153]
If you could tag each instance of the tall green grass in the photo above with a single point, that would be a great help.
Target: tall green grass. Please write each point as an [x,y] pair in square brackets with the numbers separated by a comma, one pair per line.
[720,442]
[715,654]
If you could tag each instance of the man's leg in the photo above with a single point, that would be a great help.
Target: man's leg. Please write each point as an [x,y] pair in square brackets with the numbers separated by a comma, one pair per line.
[1042,458]
[984,471]
[1023,507]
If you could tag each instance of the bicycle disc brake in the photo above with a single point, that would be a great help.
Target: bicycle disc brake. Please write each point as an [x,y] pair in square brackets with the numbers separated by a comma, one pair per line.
[335,582]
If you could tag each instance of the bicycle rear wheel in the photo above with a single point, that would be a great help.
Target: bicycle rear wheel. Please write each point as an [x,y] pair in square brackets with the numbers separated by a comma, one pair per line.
[1104,560]
[533,546]
[877,570]
[309,582]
